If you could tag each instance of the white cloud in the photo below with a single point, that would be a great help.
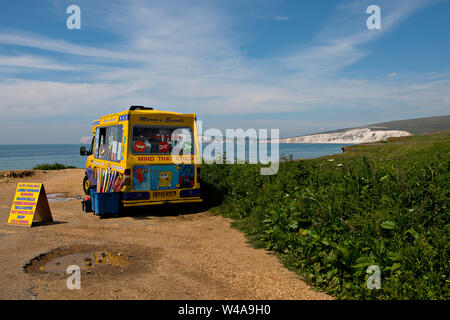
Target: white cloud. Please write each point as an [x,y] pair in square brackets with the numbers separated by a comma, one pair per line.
[285,18]
[33,40]
[35,99]
[338,43]
[28,61]
[86,139]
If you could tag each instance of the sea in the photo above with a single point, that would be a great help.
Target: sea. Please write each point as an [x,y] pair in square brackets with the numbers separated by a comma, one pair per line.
[18,157]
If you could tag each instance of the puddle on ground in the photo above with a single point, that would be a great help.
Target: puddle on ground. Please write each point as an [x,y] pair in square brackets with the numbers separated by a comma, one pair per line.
[58,197]
[96,262]
[84,260]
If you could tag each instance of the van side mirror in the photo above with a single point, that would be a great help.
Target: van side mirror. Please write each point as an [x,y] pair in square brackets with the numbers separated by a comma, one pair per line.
[83,151]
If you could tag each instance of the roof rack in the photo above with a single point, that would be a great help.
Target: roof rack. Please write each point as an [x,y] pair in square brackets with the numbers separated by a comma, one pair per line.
[132,108]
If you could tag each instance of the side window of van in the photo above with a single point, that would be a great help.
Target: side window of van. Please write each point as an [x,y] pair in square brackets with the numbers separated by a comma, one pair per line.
[108,143]
[114,142]
[100,147]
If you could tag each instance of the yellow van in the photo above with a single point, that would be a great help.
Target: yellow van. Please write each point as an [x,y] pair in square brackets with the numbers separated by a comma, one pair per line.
[150,156]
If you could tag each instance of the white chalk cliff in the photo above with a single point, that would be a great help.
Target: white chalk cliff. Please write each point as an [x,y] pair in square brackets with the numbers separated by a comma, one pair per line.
[362,135]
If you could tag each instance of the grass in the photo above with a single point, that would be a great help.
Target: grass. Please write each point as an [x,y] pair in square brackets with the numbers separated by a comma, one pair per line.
[330,218]
[52,166]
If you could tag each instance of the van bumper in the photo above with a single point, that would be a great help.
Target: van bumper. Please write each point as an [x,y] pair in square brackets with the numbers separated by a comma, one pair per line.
[150,203]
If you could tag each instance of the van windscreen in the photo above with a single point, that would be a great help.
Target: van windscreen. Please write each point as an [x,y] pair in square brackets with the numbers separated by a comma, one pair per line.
[162,140]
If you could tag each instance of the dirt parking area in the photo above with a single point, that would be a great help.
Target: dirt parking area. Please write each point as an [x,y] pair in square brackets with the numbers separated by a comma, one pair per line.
[150,253]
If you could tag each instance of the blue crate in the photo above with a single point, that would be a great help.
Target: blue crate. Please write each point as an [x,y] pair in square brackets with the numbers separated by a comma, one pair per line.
[105,202]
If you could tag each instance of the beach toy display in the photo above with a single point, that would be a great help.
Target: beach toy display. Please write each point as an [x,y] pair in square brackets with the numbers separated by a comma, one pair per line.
[106,196]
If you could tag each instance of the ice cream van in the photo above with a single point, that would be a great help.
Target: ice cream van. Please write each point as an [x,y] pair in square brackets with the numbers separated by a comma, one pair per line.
[149,156]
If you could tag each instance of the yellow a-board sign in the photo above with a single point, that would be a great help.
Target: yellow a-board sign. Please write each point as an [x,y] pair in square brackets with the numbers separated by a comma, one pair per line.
[30,205]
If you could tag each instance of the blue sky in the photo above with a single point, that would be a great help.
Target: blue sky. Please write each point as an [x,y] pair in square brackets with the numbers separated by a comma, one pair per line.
[300,66]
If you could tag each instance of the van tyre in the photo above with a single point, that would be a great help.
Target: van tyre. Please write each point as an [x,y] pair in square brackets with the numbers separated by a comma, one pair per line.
[86,185]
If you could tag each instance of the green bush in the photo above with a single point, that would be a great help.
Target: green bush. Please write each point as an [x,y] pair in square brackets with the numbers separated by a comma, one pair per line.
[384,205]
[52,166]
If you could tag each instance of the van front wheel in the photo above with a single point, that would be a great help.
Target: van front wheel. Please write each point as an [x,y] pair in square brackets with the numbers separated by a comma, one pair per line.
[86,185]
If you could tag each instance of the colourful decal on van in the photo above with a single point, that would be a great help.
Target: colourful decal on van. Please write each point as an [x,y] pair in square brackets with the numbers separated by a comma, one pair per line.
[164,177]
[186,176]
[123,145]
[141,178]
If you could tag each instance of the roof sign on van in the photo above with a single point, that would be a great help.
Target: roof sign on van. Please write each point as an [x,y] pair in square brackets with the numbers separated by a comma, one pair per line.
[108,120]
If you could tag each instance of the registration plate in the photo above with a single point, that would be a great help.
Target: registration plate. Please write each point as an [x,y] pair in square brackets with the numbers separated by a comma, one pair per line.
[164,194]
